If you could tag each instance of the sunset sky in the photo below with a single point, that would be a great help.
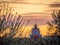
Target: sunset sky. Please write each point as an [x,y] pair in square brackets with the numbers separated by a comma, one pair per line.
[39,10]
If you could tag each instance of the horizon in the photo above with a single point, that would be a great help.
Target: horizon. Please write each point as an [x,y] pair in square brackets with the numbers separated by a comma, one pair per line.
[32,9]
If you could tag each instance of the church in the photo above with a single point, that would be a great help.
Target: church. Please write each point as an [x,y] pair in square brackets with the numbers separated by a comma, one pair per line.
[35,33]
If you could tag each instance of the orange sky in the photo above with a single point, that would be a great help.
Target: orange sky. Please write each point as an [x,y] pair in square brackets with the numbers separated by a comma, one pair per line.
[34,9]
[33,6]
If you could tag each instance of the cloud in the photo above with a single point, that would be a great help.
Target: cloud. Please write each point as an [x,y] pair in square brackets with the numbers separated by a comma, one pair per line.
[40,20]
[54,5]
[36,14]
[21,2]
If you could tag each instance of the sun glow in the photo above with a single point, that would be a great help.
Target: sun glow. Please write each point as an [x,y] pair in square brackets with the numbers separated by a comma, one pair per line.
[27,8]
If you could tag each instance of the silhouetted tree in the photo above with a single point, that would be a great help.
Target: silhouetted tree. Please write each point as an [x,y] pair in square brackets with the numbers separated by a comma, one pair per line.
[14,25]
[55,22]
